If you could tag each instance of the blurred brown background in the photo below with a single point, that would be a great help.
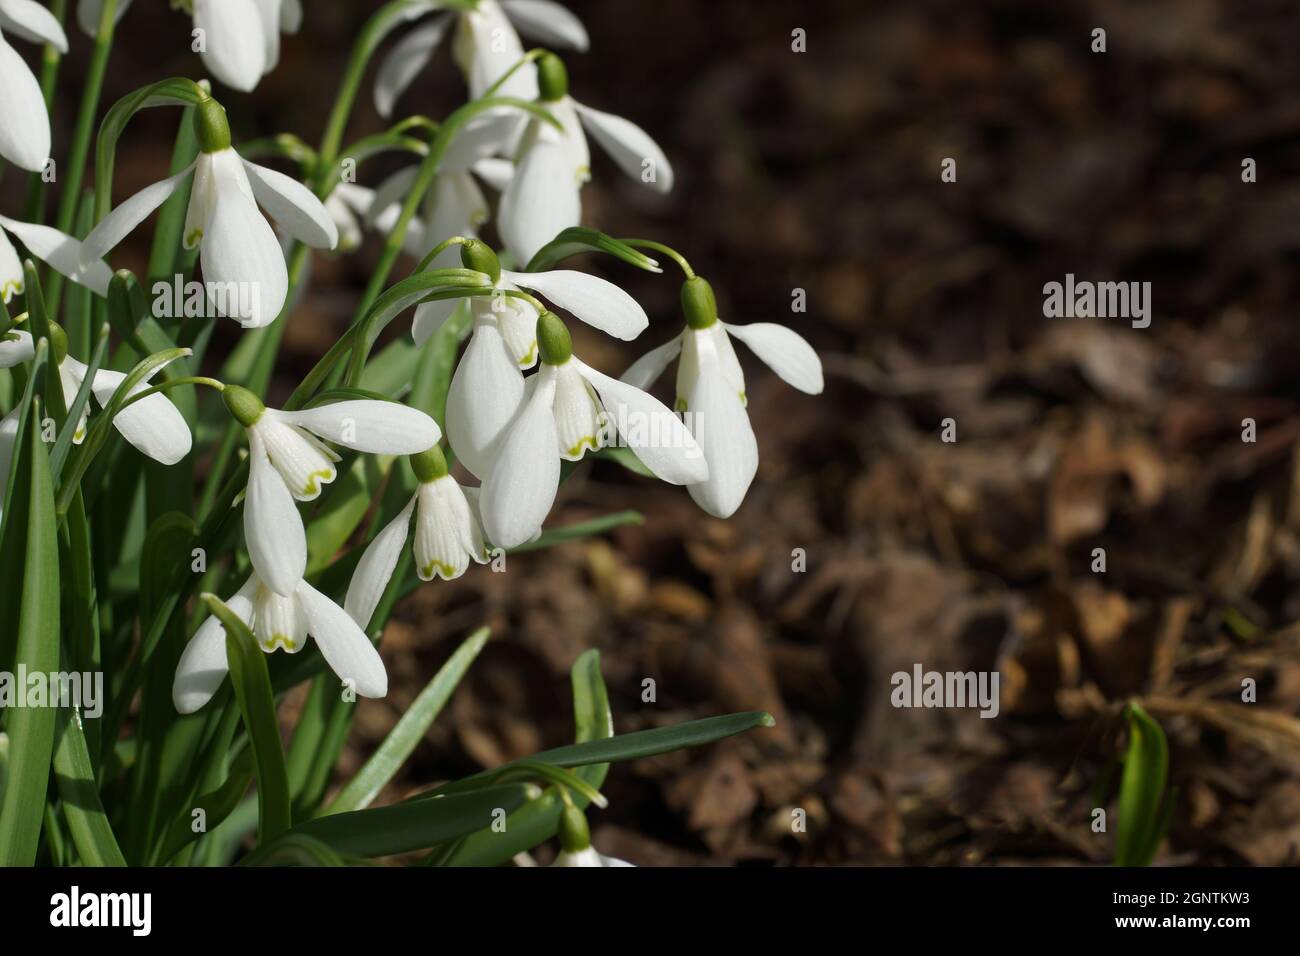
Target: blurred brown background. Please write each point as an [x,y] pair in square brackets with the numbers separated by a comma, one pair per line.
[821,171]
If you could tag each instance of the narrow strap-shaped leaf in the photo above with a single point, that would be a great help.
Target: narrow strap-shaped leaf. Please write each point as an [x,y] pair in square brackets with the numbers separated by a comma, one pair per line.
[252,685]
[31,728]
[397,746]
[582,529]
[300,850]
[216,806]
[1141,790]
[91,832]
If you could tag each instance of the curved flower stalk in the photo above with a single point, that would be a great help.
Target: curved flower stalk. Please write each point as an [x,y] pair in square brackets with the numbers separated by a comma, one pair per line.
[152,424]
[243,263]
[572,408]
[24,120]
[486,47]
[542,197]
[60,251]
[241,37]
[448,536]
[711,389]
[487,387]
[289,460]
[279,622]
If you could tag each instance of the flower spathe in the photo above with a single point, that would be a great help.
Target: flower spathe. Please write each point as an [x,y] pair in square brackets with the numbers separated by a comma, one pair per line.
[571,408]
[238,249]
[241,38]
[24,120]
[279,622]
[152,424]
[448,536]
[289,461]
[711,390]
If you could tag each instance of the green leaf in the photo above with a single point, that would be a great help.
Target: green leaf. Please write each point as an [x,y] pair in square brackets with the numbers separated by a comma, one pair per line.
[75,776]
[252,685]
[583,529]
[403,827]
[397,746]
[31,729]
[343,507]
[1141,791]
[216,805]
[300,850]
[577,240]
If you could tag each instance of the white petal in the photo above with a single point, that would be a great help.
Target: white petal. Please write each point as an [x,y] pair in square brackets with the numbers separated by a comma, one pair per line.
[345,219]
[541,200]
[630,147]
[203,196]
[579,418]
[63,253]
[719,346]
[429,317]
[405,61]
[371,426]
[33,22]
[293,206]
[646,370]
[720,425]
[15,351]
[304,462]
[153,424]
[651,429]
[11,270]
[71,374]
[269,10]
[548,23]
[446,532]
[240,250]
[785,352]
[599,303]
[88,13]
[486,47]
[343,644]
[203,663]
[114,227]
[290,16]
[375,569]
[486,392]
[520,489]
[24,122]
[496,172]
[517,321]
[235,43]
[277,543]
[453,207]
[389,196]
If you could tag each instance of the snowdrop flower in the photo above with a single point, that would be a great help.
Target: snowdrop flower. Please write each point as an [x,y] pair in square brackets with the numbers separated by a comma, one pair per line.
[575,842]
[542,197]
[711,389]
[63,254]
[279,621]
[152,424]
[448,536]
[348,205]
[238,249]
[288,461]
[487,387]
[453,206]
[572,408]
[24,121]
[486,46]
[241,38]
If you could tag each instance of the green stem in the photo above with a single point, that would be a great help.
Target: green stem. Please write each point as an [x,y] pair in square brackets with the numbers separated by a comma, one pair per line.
[666,250]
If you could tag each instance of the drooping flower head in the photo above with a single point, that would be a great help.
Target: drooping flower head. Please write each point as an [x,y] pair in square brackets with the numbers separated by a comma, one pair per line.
[24,120]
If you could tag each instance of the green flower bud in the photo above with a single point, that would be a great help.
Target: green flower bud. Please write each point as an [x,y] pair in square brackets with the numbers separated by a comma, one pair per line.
[243,404]
[698,303]
[552,78]
[479,256]
[553,340]
[211,126]
[575,835]
[58,344]
[429,465]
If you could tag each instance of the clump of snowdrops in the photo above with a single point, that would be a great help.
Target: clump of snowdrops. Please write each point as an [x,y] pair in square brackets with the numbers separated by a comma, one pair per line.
[203,554]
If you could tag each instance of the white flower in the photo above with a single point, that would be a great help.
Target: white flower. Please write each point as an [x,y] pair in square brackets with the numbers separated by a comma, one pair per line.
[279,621]
[448,536]
[711,390]
[24,121]
[551,166]
[63,253]
[243,263]
[487,387]
[241,38]
[347,205]
[8,436]
[288,460]
[572,408]
[587,857]
[152,424]
[453,206]
[486,46]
